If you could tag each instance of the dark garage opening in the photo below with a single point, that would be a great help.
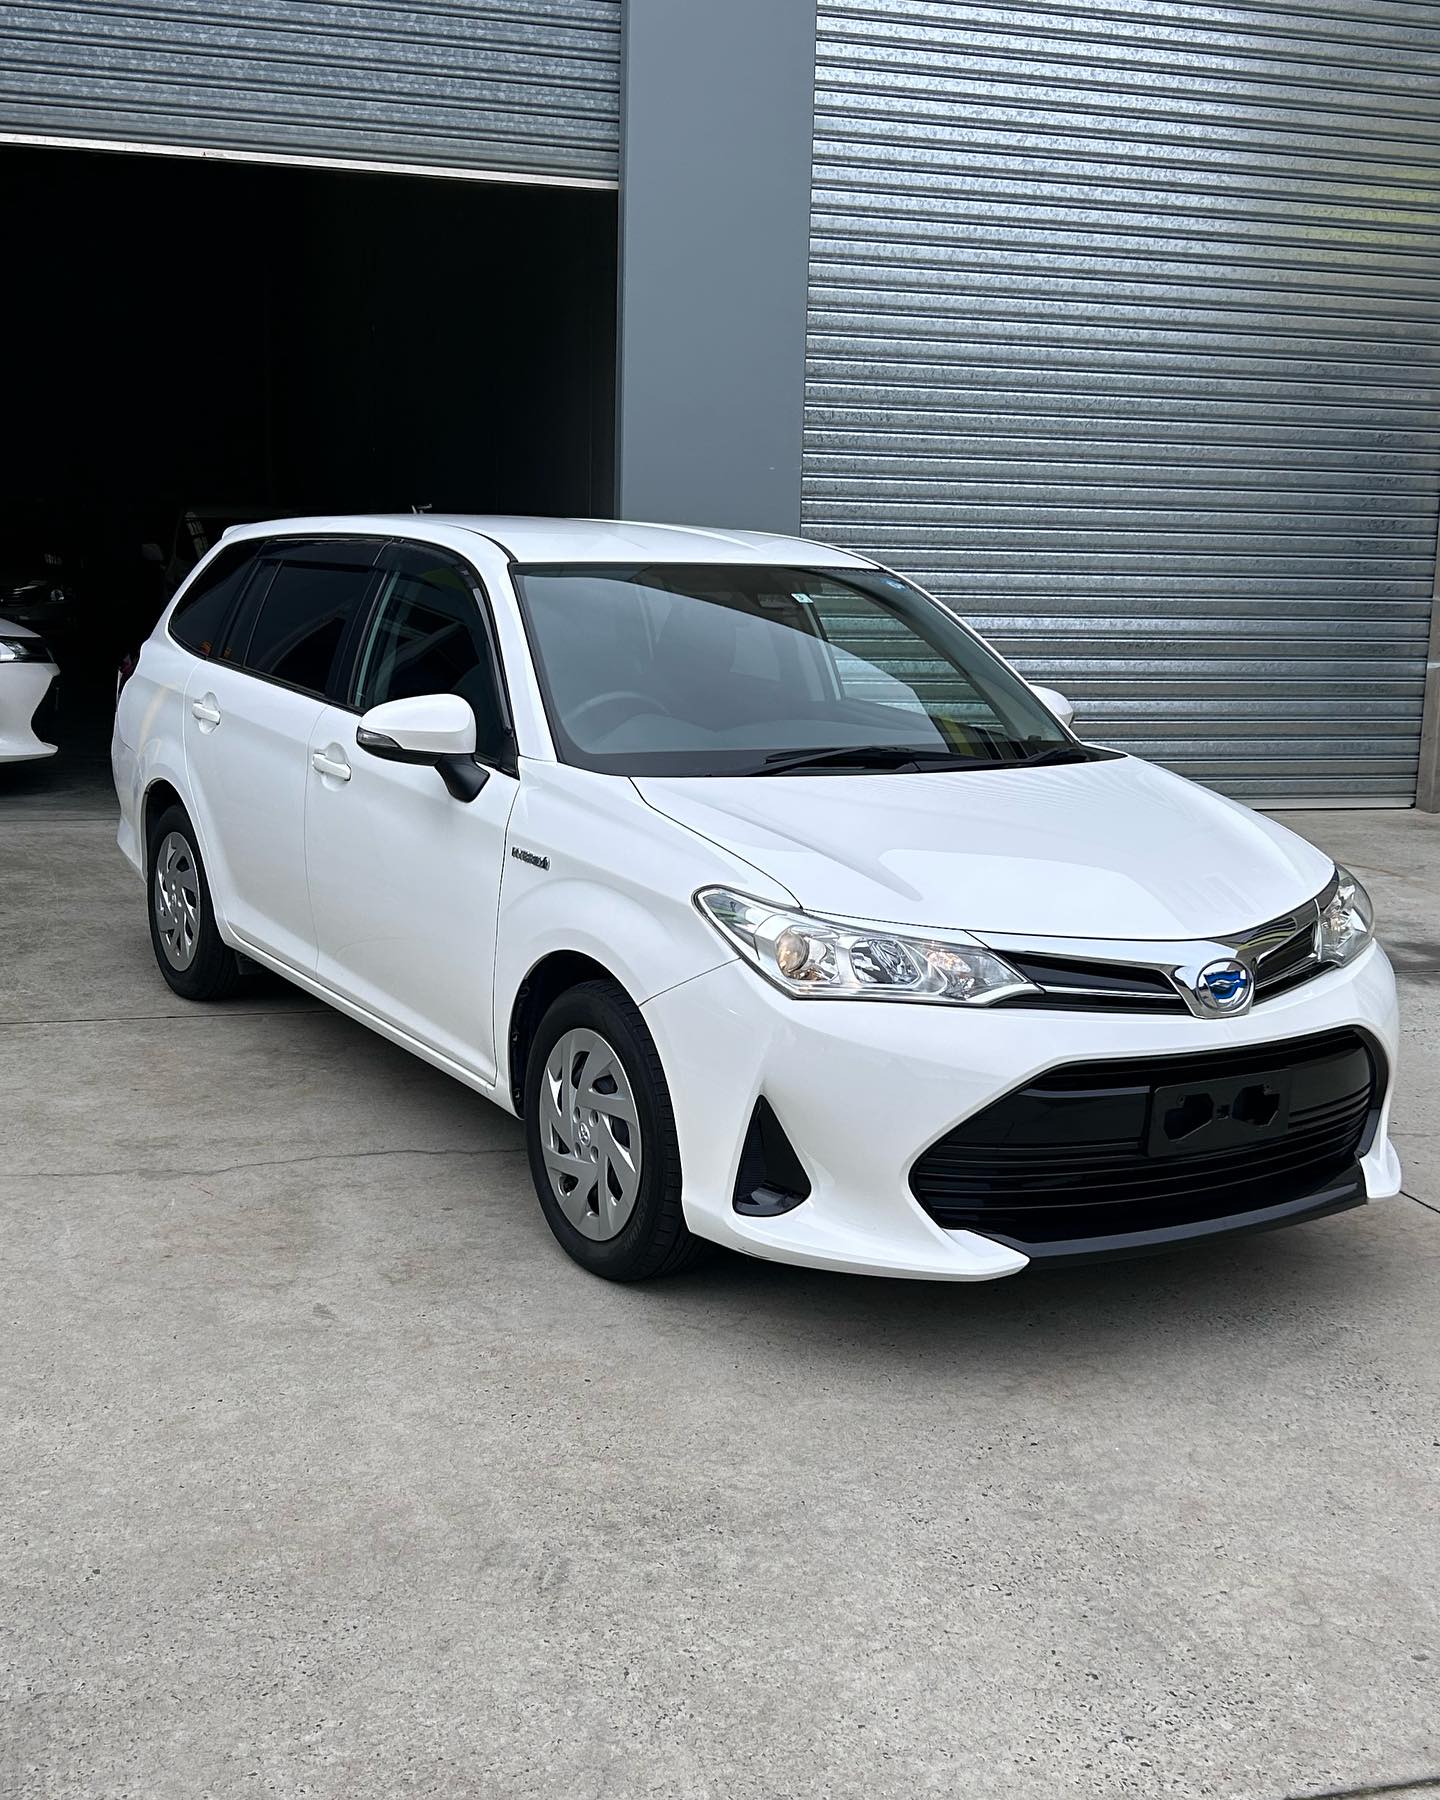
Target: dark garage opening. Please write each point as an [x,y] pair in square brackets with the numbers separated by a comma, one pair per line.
[193,340]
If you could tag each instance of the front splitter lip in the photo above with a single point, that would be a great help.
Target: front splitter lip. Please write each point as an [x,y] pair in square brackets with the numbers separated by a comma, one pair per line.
[863,1090]
[1336,1197]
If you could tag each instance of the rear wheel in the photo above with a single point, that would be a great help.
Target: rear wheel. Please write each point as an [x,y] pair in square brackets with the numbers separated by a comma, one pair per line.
[189,950]
[601,1138]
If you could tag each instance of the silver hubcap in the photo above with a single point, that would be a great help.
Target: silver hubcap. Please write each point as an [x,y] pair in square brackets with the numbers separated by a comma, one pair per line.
[590,1134]
[177,901]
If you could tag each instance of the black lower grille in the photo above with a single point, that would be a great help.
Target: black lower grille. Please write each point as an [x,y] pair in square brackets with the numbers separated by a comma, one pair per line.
[1109,1149]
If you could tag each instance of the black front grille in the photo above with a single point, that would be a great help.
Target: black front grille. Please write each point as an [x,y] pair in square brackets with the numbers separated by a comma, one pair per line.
[1083,1152]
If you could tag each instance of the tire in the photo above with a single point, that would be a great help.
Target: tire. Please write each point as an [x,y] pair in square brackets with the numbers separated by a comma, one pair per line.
[189,950]
[617,1219]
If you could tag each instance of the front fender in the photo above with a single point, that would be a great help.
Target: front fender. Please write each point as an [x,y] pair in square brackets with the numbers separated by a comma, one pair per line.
[590,868]
[646,949]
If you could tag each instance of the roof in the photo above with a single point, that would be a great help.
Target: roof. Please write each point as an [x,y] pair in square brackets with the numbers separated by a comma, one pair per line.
[581,540]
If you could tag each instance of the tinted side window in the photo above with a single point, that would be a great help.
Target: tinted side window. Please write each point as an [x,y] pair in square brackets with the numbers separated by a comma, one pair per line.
[428,637]
[302,621]
[197,620]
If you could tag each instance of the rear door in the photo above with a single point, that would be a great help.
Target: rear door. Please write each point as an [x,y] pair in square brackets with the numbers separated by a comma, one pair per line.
[249,712]
[404,878]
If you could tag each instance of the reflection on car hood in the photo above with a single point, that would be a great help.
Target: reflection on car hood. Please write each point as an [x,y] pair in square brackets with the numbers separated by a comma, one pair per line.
[13,628]
[1112,849]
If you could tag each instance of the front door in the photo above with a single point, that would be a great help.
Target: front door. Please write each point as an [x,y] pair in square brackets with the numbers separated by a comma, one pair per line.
[405,880]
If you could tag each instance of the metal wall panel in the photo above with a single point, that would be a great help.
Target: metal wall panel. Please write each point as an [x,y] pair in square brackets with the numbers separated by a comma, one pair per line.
[507,87]
[1124,335]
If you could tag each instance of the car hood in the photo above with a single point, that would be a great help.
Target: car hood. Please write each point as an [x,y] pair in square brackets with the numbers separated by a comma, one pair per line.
[13,628]
[1108,849]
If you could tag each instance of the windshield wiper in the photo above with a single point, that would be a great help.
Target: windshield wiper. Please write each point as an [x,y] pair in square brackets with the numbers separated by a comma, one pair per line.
[861,756]
[902,756]
[1057,753]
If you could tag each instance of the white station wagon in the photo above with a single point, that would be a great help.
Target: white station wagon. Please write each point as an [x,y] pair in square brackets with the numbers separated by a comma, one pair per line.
[781,909]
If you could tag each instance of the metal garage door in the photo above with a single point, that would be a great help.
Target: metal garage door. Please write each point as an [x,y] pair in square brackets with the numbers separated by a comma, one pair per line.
[510,87]
[1123,334]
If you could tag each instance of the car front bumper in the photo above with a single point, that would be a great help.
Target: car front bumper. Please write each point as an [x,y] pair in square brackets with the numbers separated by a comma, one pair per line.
[24,687]
[863,1088]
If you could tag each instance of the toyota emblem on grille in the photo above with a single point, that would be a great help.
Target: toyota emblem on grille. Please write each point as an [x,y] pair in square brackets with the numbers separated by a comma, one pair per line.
[1224,987]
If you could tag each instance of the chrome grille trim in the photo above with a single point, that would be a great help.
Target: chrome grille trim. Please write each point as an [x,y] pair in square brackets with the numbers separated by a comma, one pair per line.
[1283,952]
[1085,972]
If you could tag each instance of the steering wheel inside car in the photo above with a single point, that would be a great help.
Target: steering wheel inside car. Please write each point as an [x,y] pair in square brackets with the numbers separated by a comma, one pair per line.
[617,697]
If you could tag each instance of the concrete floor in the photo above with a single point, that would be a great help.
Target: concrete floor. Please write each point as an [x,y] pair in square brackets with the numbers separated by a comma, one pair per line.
[326,1474]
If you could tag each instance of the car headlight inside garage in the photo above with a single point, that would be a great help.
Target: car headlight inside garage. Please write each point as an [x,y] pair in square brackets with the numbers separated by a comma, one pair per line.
[26,649]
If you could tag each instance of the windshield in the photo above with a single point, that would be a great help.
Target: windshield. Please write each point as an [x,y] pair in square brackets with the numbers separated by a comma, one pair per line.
[684,669]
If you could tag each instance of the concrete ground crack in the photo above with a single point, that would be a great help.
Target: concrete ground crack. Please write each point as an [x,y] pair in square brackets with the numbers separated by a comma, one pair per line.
[1414,1786]
[278,1162]
[1406,1194]
[207,1018]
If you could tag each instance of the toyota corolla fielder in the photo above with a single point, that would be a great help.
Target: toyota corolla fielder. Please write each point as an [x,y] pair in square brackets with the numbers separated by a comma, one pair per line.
[783,911]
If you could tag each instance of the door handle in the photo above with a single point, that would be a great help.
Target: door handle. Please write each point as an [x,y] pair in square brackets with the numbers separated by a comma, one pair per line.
[326,765]
[205,711]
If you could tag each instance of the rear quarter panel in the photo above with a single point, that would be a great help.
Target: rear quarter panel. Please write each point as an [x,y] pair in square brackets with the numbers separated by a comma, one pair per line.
[148,743]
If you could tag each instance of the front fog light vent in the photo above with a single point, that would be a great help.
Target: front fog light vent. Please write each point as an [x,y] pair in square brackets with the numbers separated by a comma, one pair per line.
[771,1180]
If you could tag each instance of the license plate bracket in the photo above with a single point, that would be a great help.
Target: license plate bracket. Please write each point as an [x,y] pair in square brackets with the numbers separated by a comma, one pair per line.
[1193,1118]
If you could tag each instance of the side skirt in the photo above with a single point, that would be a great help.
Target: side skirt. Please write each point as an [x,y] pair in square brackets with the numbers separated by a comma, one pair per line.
[311,984]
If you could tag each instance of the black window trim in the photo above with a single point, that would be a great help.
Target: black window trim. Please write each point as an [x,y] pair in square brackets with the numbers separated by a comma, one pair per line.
[272,552]
[269,550]
[509,763]
[237,599]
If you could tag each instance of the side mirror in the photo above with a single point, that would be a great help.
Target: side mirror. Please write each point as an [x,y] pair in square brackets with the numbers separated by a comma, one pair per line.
[151,553]
[434,730]
[1055,703]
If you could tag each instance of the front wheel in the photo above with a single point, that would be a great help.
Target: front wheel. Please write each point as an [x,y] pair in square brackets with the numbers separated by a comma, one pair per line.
[601,1138]
[191,954]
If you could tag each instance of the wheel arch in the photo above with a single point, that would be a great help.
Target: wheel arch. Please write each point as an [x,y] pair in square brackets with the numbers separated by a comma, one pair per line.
[553,975]
[159,795]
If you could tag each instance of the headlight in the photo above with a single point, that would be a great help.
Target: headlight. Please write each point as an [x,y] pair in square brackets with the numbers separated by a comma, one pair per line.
[1347,919]
[822,959]
[27,649]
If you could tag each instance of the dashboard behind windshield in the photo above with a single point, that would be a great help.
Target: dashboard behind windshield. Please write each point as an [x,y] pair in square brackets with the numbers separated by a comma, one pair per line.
[689,669]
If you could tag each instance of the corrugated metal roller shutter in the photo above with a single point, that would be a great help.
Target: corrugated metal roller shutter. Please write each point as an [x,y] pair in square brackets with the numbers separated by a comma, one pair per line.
[1123,333]
[514,88]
